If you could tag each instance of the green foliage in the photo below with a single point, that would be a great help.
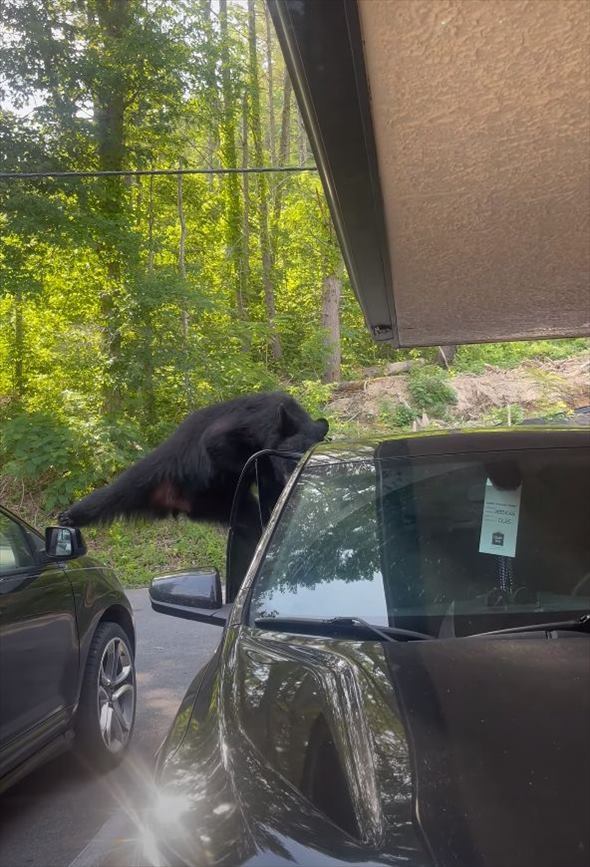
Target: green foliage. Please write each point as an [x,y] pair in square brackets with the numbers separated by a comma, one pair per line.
[473,358]
[60,459]
[397,415]
[35,444]
[430,390]
[504,416]
[138,552]
[552,410]
[313,395]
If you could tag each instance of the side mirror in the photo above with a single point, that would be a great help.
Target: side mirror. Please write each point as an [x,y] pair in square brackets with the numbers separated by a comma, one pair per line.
[64,543]
[193,595]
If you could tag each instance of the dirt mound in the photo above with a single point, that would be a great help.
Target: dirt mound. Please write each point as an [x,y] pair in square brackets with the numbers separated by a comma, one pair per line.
[533,386]
[365,403]
[530,386]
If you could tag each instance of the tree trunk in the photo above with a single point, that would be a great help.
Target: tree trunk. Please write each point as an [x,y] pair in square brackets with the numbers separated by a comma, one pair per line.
[446,355]
[149,399]
[265,251]
[150,262]
[213,95]
[332,290]
[229,158]
[182,246]
[284,154]
[109,109]
[301,140]
[285,143]
[272,136]
[19,348]
[245,269]
[184,305]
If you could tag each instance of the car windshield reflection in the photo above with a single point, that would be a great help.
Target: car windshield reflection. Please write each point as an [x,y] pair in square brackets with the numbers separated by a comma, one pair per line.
[447,546]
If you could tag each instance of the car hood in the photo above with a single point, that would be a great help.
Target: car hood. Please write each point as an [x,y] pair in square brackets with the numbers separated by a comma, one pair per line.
[317,751]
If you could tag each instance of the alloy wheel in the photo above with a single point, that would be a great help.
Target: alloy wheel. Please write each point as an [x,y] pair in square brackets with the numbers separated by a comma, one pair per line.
[116,695]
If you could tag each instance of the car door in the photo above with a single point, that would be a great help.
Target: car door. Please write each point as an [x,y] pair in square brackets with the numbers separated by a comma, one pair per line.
[38,645]
[255,497]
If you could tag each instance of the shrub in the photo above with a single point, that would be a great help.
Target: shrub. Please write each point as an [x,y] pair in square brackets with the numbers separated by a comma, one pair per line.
[313,395]
[430,390]
[62,459]
[505,415]
[473,358]
[398,415]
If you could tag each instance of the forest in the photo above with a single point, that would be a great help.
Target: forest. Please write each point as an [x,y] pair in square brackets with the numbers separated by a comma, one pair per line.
[128,300]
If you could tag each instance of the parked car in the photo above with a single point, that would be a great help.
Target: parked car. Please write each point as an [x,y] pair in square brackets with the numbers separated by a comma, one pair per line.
[67,644]
[403,674]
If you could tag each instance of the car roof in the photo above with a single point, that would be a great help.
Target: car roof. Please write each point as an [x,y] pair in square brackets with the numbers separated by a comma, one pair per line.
[449,442]
[451,140]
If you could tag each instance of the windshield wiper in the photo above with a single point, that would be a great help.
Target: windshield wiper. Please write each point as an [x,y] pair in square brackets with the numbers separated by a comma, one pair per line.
[580,624]
[337,624]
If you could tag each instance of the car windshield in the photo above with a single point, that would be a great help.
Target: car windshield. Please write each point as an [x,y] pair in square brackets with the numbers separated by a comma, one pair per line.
[448,545]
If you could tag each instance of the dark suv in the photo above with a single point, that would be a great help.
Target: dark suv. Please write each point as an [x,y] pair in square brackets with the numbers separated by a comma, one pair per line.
[67,645]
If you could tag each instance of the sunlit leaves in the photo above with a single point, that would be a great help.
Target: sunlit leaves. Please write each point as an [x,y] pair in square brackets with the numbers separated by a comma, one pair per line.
[96,312]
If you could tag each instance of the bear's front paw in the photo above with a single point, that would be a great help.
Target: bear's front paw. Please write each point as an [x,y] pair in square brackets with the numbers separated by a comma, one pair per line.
[65,519]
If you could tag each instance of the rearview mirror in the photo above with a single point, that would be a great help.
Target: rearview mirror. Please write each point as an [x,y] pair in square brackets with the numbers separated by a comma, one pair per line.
[64,543]
[192,594]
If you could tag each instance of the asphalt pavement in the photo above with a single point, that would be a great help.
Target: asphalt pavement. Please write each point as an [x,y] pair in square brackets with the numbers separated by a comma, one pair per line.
[50,817]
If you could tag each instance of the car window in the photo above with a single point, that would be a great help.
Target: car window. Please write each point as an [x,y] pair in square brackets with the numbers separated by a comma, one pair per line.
[254,500]
[417,543]
[14,549]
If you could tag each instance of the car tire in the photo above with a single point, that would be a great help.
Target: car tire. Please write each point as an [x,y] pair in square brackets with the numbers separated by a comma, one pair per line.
[106,712]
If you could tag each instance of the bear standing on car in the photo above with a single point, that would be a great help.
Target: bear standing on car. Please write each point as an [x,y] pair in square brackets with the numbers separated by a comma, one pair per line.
[196,470]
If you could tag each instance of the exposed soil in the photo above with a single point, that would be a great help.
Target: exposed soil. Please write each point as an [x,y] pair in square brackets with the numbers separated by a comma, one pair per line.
[535,387]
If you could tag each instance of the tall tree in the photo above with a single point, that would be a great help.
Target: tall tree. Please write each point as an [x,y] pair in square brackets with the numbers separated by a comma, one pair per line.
[110,20]
[245,265]
[284,156]
[229,156]
[264,237]
[185,317]
[330,321]
[272,136]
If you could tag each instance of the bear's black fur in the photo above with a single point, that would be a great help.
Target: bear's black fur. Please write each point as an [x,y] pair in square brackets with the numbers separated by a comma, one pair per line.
[196,470]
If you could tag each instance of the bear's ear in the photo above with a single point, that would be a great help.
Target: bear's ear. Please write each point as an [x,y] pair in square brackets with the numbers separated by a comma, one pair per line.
[166,497]
[287,424]
[322,426]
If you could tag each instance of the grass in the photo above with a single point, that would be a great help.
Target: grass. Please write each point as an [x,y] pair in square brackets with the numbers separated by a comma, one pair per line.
[139,551]
[396,415]
[474,357]
[430,390]
[136,551]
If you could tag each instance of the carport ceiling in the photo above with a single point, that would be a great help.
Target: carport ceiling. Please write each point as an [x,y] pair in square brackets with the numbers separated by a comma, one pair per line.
[460,188]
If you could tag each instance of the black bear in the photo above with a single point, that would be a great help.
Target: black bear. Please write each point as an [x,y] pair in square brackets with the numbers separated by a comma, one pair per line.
[196,470]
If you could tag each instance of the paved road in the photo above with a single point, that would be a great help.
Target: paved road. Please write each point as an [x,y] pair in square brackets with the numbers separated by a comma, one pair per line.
[49,818]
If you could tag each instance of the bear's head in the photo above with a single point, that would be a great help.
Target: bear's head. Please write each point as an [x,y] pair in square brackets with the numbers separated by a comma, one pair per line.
[296,432]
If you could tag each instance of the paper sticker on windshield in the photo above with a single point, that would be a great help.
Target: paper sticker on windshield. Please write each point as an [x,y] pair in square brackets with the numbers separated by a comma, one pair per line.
[499,523]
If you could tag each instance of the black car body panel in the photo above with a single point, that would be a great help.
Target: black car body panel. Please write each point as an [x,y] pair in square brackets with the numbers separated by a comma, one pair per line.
[458,752]
[454,442]
[499,737]
[234,762]
[312,750]
[49,611]
[96,590]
